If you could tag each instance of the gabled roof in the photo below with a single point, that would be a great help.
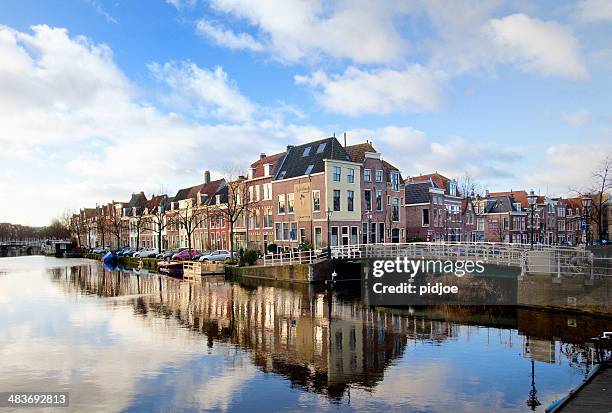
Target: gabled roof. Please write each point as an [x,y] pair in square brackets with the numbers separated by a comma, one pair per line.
[502,203]
[270,159]
[440,180]
[191,192]
[574,203]
[298,158]
[357,152]
[418,192]
[519,196]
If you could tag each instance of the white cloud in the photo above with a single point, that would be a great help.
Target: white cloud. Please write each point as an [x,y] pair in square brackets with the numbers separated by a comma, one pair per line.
[595,10]
[295,29]
[207,91]
[69,112]
[415,153]
[577,118]
[356,91]
[227,38]
[182,4]
[534,45]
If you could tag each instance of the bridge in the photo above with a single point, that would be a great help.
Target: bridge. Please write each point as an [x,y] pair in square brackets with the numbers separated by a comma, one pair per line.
[539,259]
[16,248]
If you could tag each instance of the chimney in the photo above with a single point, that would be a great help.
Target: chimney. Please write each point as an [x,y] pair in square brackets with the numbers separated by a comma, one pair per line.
[262,155]
[207,176]
[289,147]
[344,139]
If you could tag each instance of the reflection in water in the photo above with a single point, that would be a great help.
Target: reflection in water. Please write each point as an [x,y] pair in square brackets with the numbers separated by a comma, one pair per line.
[158,344]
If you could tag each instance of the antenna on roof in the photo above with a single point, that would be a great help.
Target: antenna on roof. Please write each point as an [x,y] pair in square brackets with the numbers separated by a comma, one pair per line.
[345,140]
[334,134]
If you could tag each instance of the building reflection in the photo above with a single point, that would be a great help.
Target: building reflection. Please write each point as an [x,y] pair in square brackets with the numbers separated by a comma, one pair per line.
[321,341]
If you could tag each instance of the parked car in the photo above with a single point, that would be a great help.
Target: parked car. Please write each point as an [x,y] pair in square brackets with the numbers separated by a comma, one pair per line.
[167,254]
[217,255]
[565,243]
[187,254]
[100,250]
[126,252]
[146,253]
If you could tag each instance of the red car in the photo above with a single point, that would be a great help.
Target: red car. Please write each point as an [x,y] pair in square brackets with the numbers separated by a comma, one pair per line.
[187,255]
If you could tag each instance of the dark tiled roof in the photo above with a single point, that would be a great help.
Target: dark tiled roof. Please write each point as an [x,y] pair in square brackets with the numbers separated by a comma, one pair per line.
[418,192]
[295,163]
[211,189]
[500,204]
[519,196]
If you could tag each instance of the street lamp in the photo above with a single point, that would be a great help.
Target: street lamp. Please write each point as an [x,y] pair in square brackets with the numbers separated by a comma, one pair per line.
[532,198]
[586,203]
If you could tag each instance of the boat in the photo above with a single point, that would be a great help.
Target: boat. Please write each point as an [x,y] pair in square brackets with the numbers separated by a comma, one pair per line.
[171,268]
[110,258]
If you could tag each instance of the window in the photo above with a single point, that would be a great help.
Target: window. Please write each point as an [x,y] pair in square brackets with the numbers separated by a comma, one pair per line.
[267,192]
[336,200]
[268,169]
[306,151]
[368,199]
[290,202]
[350,196]
[278,231]
[281,204]
[316,201]
[334,236]
[337,171]
[394,175]
[379,175]
[379,200]
[293,233]
[350,177]
[395,210]
[282,174]
[364,233]
[373,233]
[381,232]
[268,218]
[285,230]
[318,238]
[354,235]
[321,148]
[425,219]
[309,169]
[367,175]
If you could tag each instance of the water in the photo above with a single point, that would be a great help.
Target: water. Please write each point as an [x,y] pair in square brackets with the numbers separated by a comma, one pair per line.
[121,341]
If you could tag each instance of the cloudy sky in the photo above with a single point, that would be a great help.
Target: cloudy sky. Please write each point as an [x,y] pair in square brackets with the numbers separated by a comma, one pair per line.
[99,99]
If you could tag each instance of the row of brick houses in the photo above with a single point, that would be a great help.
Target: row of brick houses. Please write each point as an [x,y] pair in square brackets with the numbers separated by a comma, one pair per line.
[323,193]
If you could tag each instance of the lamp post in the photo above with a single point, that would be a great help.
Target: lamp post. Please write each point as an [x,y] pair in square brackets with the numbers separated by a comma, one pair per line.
[532,199]
[586,203]
[328,234]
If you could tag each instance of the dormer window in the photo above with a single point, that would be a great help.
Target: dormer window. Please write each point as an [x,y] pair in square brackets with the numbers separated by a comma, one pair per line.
[251,173]
[306,151]
[268,169]
[309,169]
[452,188]
[218,199]
[321,147]
[282,174]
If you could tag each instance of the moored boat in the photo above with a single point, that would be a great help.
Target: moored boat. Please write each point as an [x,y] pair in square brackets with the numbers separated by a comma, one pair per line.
[110,258]
[171,268]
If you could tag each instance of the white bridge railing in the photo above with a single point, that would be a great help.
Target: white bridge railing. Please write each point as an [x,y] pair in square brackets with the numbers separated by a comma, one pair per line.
[294,257]
[542,259]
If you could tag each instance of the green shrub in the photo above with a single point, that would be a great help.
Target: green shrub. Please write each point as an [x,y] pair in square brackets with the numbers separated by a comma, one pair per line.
[415,239]
[251,256]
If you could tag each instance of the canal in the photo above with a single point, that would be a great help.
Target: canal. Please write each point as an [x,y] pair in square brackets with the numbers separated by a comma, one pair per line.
[128,341]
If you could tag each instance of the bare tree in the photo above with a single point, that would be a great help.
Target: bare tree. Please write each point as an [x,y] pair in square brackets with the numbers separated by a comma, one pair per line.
[138,224]
[600,187]
[116,226]
[159,222]
[101,223]
[240,201]
[469,186]
[189,218]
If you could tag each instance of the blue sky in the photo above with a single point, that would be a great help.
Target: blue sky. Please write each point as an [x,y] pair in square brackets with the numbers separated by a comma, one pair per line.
[101,98]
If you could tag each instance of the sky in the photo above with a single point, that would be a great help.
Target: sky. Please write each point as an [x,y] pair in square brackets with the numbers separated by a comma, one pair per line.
[101,99]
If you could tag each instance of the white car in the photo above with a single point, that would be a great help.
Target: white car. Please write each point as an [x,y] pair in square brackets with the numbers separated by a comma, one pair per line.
[216,255]
[146,253]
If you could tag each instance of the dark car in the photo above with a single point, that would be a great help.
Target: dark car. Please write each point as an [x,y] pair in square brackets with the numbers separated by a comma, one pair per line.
[167,254]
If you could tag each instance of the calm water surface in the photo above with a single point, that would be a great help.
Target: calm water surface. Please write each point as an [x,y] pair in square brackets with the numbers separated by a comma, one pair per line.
[123,341]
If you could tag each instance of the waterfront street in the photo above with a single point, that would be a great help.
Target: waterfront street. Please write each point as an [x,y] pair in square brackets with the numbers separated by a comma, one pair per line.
[128,341]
